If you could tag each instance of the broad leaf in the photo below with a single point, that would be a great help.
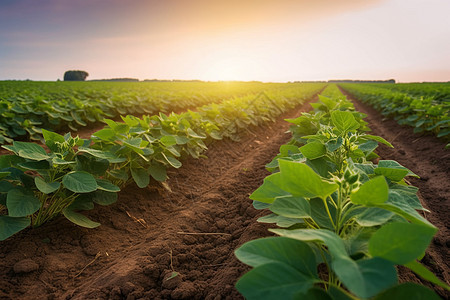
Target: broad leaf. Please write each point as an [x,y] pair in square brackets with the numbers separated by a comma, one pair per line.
[46,187]
[426,274]
[158,172]
[79,182]
[393,170]
[292,252]
[301,181]
[378,139]
[105,185]
[28,150]
[274,280]
[408,291]
[313,150]
[269,190]
[10,226]
[140,176]
[401,242]
[291,207]
[104,198]
[372,192]
[79,219]
[365,278]
[344,121]
[172,160]
[21,202]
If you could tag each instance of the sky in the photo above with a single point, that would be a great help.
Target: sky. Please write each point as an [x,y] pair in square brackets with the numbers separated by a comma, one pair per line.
[265,40]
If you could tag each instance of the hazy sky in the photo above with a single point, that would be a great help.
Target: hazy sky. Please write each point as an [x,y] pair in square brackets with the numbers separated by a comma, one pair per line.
[268,40]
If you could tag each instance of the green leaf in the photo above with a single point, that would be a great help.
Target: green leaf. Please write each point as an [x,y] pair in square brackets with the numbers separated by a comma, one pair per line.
[158,172]
[45,187]
[406,194]
[286,150]
[168,140]
[319,213]
[294,253]
[378,139]
[28,150]
[172,160]
[21,202]
[291,207]
[279,220]
[368,147]
[402,207]
[5,186]
[373,216]
[334,144]
[10,226]
[193,134]
[119,174]
[35,165]
[79,182]
[314,294]
[408,291]
[301,181]
[104,198]
[269,190]
[401,242]
[92,164]
[426,274]
[112,158]
[105,134]
[105,185]
[393,170]
[344,120]
[140,176]
[274,280]
[365,278]
[79,219]
[372,192]
[51,139]
[313,150]
[7,161]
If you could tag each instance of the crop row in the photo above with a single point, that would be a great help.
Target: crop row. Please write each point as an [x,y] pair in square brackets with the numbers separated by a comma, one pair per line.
[75,174]
[423,113]
[344,221]
[439,91]
[27,107]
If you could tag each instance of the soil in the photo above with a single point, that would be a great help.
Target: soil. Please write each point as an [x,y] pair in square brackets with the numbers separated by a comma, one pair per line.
[191,226]
[426,156]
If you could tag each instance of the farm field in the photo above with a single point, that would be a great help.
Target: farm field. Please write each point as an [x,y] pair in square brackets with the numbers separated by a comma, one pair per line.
[27,107]
[176,240]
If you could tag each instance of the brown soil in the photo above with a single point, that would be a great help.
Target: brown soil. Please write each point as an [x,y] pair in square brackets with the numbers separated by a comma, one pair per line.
[426,156]
[150,233]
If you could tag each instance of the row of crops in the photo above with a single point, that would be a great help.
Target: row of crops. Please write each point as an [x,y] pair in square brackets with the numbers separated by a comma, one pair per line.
[337,212]
[26,107]
[425,107]
[74,174]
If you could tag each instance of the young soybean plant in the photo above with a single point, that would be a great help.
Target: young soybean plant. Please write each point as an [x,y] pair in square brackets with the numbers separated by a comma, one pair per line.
[340,211]
[36,186]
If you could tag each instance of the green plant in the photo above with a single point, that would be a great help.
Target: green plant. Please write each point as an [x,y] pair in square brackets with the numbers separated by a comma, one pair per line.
[37,186]
[338,210]
[424,107]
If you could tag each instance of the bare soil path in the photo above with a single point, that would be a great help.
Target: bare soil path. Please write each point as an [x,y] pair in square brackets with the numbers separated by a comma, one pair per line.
[151,233]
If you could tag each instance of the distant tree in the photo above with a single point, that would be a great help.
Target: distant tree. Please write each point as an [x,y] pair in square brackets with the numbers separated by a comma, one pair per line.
[75,75]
